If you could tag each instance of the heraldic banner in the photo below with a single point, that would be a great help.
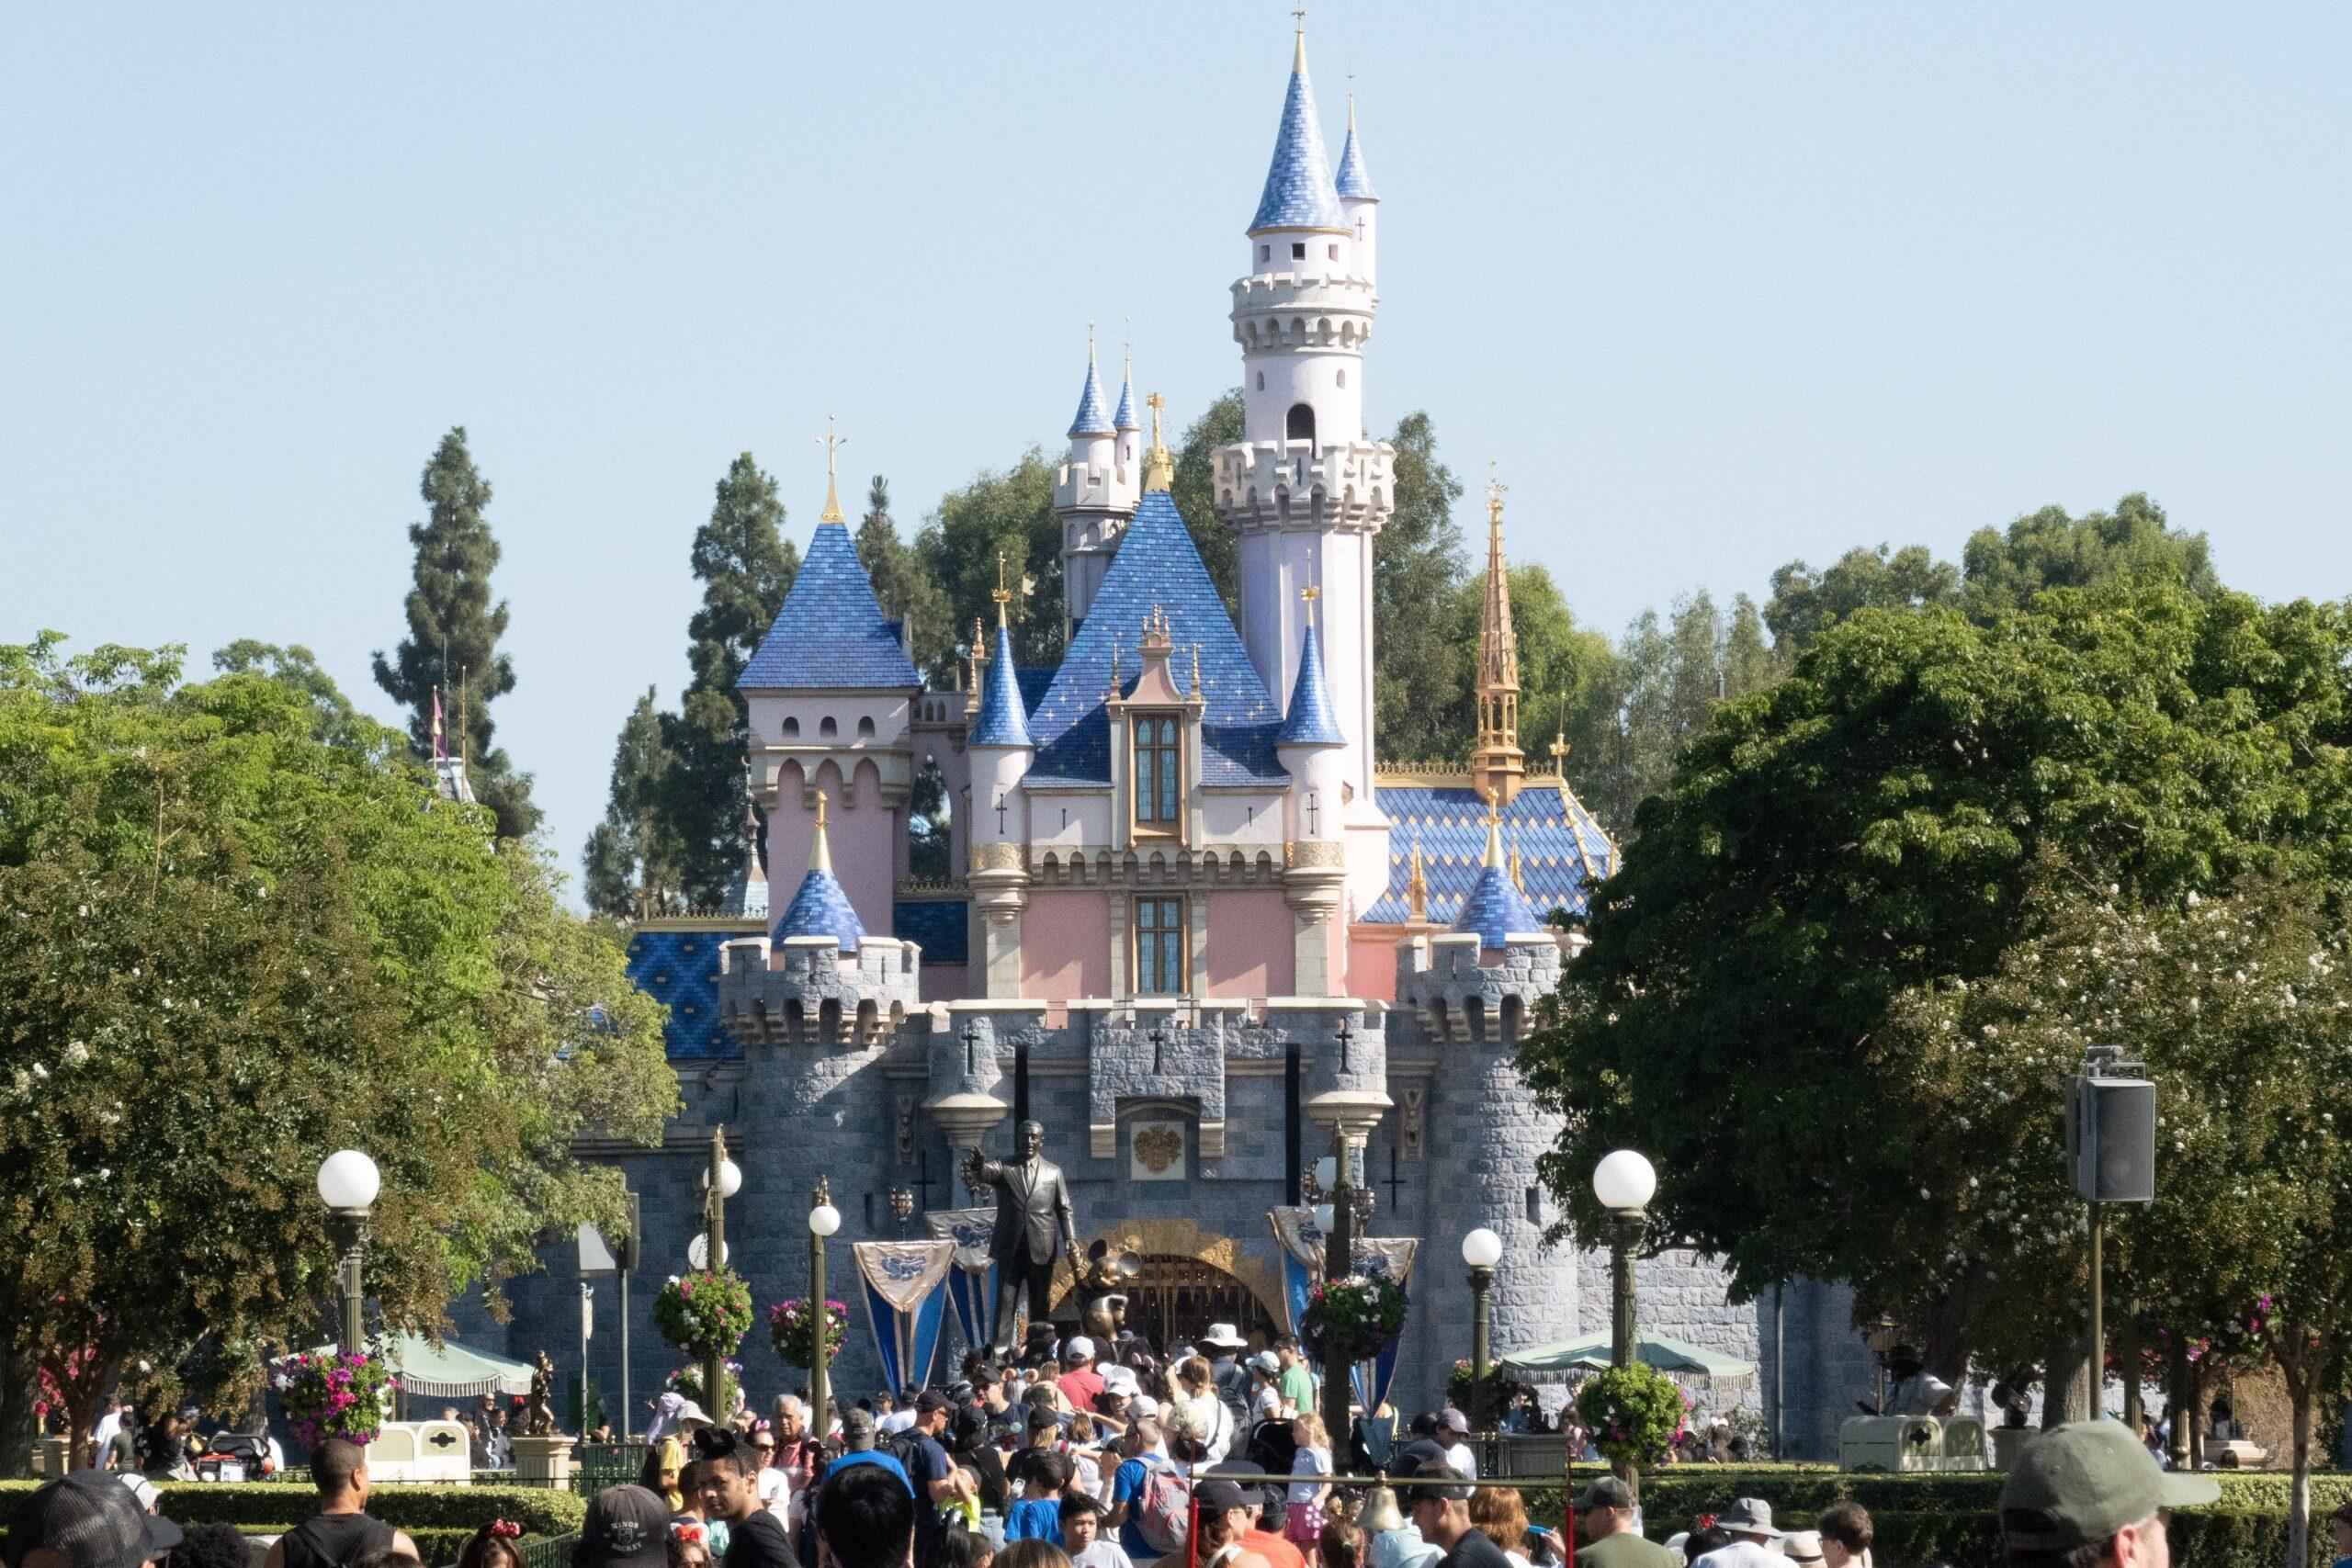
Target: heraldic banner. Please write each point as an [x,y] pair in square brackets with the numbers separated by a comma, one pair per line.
[1301,1240]
[906,1292]
[972,1286]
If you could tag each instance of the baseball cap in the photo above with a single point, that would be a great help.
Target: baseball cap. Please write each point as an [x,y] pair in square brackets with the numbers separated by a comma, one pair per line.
[1452,1420]
[931,1399]
[93,1519]
[1607,1492]
[2077,1484]
[626,1527]
[1449,1483]
[1078,1344]
[1217,1495]
[857,1428]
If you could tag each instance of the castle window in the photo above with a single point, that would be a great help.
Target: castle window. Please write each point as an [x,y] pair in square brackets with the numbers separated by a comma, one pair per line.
[1300,426]
[1343,377]
[1261,381]
[827,728]
[1334,250]
[1158,771]
[865,729]
[791,729]
[1265,253]
[1160,947]
[1298,251]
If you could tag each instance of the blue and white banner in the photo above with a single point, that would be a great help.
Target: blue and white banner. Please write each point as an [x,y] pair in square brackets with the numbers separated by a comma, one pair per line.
[1301,1240]
[971,1287]
[905,1286]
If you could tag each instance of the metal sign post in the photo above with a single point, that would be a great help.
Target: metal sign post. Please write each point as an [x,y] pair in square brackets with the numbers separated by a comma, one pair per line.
[2111,1154]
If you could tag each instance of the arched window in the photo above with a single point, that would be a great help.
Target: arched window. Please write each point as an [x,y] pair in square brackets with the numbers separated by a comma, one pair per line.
[1158,774]
[1300,426]
[865,729]
[791,729]
[1343,377]
[1261,381]
[827,728]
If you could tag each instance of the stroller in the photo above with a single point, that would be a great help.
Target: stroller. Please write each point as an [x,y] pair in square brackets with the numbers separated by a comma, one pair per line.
[234,1456]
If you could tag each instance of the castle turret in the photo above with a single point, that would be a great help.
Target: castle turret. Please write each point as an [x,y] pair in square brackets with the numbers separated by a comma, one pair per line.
[1095,489]
[1310,747]
[1303,491]
[1353,183]
[1496,764]
[1128,428]
[1000,748]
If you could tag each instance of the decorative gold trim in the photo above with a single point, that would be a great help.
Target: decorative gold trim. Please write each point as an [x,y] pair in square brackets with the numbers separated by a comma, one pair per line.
[996,857]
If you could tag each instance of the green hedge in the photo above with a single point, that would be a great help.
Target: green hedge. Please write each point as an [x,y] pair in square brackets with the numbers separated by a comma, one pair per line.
[268,1506]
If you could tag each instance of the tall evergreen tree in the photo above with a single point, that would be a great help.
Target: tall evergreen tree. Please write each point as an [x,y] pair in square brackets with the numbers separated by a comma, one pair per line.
[1416,566]
[1010,511]
[746,566]
[453,632]
[632,857]
[1193,490]
[905,586]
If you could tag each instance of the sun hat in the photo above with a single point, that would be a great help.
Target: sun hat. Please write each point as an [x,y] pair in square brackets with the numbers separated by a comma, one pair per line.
[1802,1546]
[92,1520]
[689,1411]
[2077,1484]
[1223,1336]
[1748,1516]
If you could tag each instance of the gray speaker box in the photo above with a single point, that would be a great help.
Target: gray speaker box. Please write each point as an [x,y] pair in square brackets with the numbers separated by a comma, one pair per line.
[2111,1139]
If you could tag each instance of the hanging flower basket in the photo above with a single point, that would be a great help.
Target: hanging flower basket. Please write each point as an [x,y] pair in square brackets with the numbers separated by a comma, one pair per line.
[1366,1310]
[1634,1413]
[332,1395]
[704,1314]
[788,1325]
[687,1382]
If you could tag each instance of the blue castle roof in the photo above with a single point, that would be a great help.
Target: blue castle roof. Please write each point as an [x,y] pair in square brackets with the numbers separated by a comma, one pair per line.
[1311,720]
[1126,418]
[1299,194]
[1562,850]
[1157,567]
[1002,721]
[821,907]
[830,634]
[1354,180]
[1091,420]
[677,965]
[1495,909]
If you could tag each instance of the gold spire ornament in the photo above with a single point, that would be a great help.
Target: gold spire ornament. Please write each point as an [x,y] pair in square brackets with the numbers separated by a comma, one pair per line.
[1417,886]
[1196,672]
[1515,881]
[1310,594]
[820,853]
[979,655]
[1158,464]
[1496,764]
[1002,595]
[832,444]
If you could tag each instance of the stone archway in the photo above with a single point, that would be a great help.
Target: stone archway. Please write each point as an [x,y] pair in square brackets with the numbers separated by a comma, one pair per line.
[1188,1272]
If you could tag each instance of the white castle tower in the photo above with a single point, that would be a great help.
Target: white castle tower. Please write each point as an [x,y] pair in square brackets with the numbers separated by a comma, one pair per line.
[1096,488]
[1303,490]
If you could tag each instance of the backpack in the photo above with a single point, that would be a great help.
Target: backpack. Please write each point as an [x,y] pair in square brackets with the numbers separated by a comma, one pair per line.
[1164,1507]
[905,1446]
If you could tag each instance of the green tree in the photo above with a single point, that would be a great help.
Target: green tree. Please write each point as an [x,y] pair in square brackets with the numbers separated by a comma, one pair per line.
[2050,549]
[1805,601]
[746,566]
[1868,825]
[288,946]
[1566,670]
[333,719]
[632,858]
[1664,684]
[1194,490]
[1417,562]
[1010,513]
[903,583]
[453,632]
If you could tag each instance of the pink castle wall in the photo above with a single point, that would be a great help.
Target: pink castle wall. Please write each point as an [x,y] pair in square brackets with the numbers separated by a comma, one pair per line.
[1066,946]
[1372,969]
[863,831]
[1250,951]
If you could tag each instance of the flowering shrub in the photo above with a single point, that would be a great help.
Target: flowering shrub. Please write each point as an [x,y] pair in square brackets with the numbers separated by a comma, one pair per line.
[1366,1310]
[789,1324]
[687,1382]
[332,1395]
[705,1313]
[1634,1413]
[1461,1385]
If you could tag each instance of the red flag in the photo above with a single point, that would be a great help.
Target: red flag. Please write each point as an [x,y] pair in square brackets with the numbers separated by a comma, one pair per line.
[440,741]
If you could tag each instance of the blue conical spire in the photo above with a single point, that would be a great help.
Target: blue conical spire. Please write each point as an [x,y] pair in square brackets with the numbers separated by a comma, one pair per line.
[1091,420]
[1354,181]
[1002,720]
[1495,909]
[1299,192]
[1310,721]
[821,907]
[1124,420]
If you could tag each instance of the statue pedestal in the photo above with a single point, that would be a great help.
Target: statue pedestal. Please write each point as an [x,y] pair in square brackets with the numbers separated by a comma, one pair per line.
[52,1457]
[543,1461]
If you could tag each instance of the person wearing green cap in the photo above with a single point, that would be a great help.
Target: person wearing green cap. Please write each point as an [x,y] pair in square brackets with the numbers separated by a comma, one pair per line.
[2087,1495]
[1605,1518]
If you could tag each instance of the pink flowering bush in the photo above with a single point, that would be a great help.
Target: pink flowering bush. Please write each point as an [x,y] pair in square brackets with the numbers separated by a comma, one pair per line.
[333,1394]
[789,1324]
[1634,1413]
[706,1314]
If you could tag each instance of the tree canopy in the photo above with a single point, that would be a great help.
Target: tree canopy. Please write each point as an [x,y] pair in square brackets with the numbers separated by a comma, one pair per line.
[233,947]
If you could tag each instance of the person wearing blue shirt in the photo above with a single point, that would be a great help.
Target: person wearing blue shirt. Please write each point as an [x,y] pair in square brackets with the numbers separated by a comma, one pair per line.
[1038,1515]
[1144,1452]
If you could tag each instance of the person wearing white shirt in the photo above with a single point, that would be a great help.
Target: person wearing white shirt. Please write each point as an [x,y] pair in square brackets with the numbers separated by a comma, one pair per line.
[775,1486]
[108,1426]
[1454,1431]
[1748,1522]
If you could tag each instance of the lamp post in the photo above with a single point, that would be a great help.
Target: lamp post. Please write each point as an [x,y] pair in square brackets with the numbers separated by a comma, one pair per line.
[1340,1206]
[1625,1182]
[1481,1249]
[720,1182]
[349,1183]
[823,1221]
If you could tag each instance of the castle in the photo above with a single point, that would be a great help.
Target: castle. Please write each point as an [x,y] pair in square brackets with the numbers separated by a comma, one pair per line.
[1201,931]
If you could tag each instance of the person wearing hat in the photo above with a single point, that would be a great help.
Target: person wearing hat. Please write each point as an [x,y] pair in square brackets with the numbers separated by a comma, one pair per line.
[1454,1436]
[341,1530]
[857,1448]
[87,1518]
[1802,1548]
[1224,1347]
[1611,1539]
[625,1527]
[1081,1382]
[1748,1522]
[1225,1512]
[1439,1504]
[2090,1485]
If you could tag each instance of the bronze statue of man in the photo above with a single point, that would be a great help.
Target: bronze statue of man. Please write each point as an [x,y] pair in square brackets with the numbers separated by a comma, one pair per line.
[1033,1223]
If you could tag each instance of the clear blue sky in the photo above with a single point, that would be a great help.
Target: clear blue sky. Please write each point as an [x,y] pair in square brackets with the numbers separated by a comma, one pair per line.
[1716,285]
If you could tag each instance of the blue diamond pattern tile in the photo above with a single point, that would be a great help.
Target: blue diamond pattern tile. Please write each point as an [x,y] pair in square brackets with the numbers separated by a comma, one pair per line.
[1311,720]
[1354,181]
[679,968]
[1003,719]
[830,634]
[822,908]
[1091,420]
[1126,418]
[1156,568]
[940,925]
[1562,850]
[1299,194]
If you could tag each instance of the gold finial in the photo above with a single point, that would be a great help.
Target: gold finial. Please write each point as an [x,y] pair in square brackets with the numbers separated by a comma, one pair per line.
[1515,882]
[1197,670]
[1495,491]
[979,656]
[1494,835]
[1298,50]
[832,444]
[1089,343]
[1310,594]
[1002,595]
[1158,464]
[1496,763]
[1560,735]
[1114,671]
[1417,886]
[821,853]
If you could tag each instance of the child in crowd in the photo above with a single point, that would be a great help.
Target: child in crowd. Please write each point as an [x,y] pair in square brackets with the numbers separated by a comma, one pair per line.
[1037,1516]
[1083,1538]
